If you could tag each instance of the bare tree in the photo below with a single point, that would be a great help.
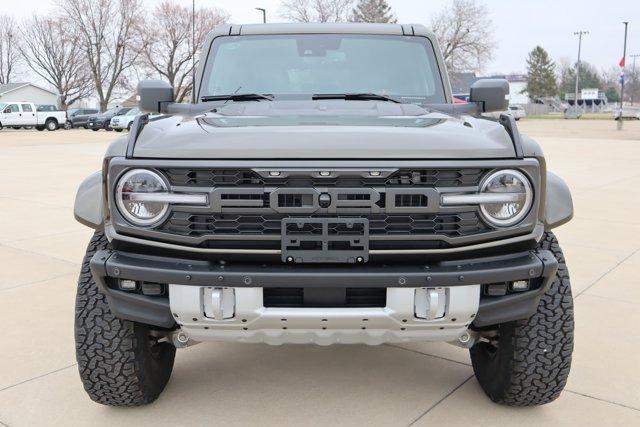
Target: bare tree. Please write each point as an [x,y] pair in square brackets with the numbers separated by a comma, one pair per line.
[9,49]
[50,50]
[107,33]
[168,50]
[464,31]
[316,10]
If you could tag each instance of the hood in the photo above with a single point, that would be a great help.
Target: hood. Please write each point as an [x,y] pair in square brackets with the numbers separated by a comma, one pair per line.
[323,130]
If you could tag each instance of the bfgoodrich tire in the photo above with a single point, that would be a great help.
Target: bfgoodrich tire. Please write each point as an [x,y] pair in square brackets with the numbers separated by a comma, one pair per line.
[528,361]
[120,363]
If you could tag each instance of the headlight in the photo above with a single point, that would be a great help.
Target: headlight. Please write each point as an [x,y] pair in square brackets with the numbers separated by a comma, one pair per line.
[138,199]
[512,197]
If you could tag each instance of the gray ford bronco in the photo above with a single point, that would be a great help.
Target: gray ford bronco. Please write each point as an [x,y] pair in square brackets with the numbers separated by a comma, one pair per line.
[322,187]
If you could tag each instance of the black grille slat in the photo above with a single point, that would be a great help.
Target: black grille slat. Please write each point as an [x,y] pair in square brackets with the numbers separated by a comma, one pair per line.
[452,225]
[461,177]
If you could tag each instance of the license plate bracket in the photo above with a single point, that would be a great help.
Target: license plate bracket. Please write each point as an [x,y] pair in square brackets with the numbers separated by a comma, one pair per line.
[325,240]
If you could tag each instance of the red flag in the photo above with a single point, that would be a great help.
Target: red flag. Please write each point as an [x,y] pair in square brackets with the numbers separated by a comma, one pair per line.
[621,63]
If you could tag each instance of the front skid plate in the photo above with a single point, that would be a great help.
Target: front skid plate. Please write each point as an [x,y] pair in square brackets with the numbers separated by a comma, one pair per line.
[252,322]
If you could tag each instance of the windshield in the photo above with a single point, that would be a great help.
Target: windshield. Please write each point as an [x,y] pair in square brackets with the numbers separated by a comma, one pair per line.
[2,105]
[299,66]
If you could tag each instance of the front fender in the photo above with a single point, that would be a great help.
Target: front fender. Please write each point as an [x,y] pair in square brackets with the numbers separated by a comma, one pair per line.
[558,207]
[89,202]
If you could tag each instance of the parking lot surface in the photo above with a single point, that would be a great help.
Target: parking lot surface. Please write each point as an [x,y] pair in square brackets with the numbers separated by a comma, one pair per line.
[41,247]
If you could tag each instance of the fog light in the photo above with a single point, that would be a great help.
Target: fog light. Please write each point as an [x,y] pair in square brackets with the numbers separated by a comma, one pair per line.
[128,285]
[520,285]
[496,289]
[374,173]
[274,173]
[325,173]
[152,289]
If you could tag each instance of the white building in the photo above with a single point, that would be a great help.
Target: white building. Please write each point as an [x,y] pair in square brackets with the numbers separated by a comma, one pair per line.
[517,89]
[27,92]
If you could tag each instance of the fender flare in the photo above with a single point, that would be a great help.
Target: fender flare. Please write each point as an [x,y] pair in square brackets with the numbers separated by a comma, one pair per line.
[558,205]
[88,205]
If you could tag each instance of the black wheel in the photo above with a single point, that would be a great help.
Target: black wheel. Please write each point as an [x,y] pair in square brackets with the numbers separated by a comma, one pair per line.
[107,126]
[527,362]
[95,129]
[15,127]
[118,130]
[68,125]
[85,126]
[51,125]
[120,363]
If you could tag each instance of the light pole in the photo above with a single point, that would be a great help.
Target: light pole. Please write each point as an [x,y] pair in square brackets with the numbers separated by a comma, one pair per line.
[193,53]
[575,99]
[624,59]
[264,14]
[633,75]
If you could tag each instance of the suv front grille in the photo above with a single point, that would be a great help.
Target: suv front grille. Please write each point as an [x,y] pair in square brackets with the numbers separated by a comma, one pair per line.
[451,225]
[247,178]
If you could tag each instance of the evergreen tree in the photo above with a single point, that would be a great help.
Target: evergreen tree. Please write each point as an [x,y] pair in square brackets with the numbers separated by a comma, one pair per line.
[541,77]
[373,11]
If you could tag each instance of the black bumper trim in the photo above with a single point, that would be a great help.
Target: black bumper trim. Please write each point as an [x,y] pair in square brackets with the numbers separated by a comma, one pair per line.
[156,311]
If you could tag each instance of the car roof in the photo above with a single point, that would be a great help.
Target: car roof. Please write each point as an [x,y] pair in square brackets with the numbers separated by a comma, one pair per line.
[325,28]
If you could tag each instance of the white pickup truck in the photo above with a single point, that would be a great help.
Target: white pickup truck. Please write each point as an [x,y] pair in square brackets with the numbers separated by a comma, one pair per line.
[25,114]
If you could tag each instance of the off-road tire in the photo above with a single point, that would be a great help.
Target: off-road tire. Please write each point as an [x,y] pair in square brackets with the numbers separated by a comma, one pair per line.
[531,362]
[119,363]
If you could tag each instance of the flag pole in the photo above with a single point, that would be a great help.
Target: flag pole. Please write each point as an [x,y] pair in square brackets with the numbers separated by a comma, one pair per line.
[624,60]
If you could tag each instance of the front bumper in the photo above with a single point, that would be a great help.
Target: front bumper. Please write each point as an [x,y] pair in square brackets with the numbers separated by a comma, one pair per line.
[253,322]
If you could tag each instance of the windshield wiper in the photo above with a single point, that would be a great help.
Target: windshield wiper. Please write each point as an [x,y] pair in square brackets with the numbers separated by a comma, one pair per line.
[238,97]
[355,97]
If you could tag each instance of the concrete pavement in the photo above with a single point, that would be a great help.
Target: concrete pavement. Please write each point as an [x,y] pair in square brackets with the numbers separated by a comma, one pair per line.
[41,247]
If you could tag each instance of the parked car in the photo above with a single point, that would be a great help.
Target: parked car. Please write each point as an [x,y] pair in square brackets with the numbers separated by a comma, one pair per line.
[102,121]
[78,117]
[125,121]
[516,111]
[626,113]
[26,114]
[366,209]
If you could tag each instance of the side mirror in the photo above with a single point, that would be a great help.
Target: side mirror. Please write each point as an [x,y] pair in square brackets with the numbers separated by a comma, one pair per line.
[490,94]
[154,95]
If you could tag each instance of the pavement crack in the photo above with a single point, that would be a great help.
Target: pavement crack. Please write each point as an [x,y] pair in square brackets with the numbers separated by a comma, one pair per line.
[602,400]
[37,377]
[440,401]
[36,282]
[622,261]
[428,354]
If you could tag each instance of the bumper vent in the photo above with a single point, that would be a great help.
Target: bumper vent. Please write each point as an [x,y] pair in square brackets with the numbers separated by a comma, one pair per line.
[325,297]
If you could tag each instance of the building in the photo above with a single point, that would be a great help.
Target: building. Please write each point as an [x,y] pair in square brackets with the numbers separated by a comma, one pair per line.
[461,84]
[27,92]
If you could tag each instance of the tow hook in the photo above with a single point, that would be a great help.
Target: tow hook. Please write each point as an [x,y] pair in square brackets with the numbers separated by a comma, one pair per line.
[467,339]
[181,339]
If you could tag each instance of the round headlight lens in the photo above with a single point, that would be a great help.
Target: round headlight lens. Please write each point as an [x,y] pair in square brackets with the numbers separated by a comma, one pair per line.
[130,197]
[517,201]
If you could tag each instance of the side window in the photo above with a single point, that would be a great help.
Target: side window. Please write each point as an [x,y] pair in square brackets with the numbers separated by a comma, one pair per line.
[13,108]
[26,108]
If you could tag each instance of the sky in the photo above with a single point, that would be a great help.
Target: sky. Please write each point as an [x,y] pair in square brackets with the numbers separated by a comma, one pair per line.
[518,25]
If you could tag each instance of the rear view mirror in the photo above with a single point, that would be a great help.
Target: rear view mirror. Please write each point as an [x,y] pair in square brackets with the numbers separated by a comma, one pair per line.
[154,95]
[490,94]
